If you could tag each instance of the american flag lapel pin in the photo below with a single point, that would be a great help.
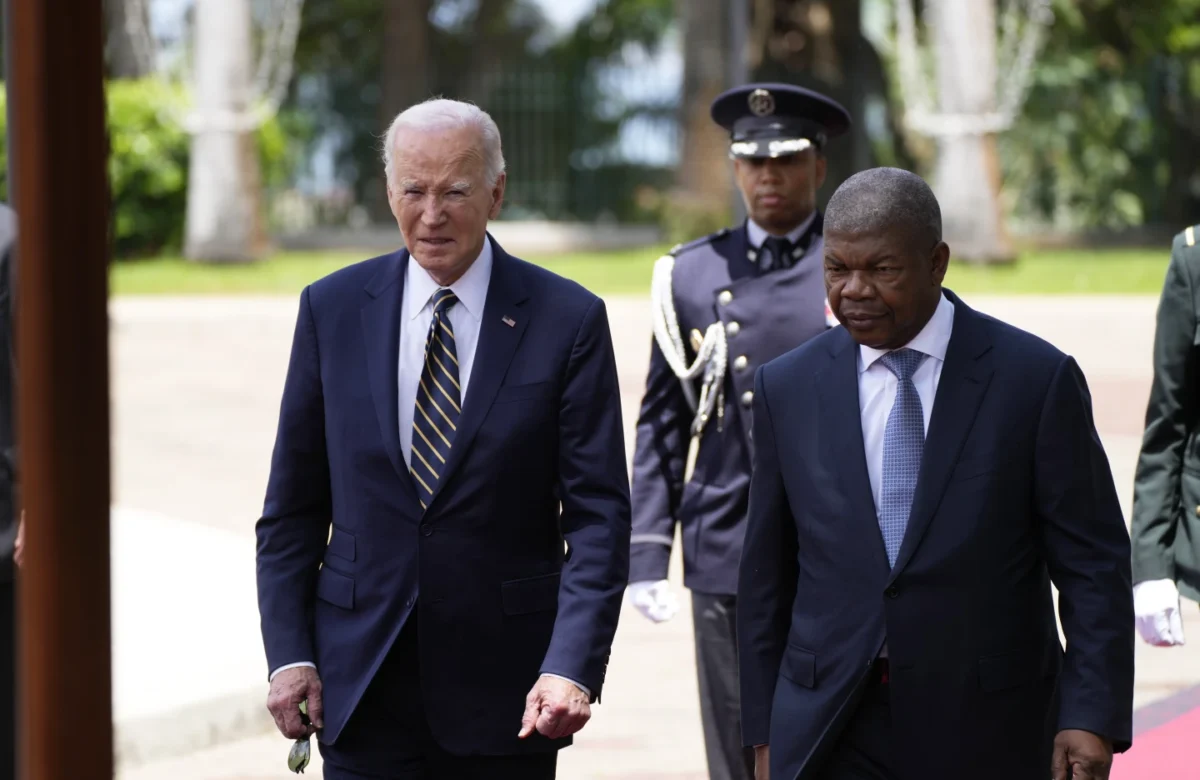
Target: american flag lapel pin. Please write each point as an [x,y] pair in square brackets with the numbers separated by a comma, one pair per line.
[509,321]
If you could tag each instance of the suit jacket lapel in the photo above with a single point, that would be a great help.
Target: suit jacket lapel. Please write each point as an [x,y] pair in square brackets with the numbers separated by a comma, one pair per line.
[381,332]
[498,340]
[965,378]
[841,427]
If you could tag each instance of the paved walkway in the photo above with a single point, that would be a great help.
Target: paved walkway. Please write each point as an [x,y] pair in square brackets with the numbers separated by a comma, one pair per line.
[196,392]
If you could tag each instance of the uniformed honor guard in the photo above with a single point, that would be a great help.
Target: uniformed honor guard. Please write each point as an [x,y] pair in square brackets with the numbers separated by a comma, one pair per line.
[723,305]
[1165,526]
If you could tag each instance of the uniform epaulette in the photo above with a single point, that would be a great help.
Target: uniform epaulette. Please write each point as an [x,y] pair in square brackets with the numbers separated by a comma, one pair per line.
[675,250]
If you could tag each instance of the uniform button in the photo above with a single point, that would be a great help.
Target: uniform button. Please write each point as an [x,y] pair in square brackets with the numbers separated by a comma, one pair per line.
[725,297]
[426,529]
[733,328]
[893,592]
[747,398]
[1198,511]
[741,363]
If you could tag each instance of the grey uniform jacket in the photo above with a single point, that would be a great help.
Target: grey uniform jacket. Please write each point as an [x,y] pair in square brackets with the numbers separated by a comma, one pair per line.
[764,314]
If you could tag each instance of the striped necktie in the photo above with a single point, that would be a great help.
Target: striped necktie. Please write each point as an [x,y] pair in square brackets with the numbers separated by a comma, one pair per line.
[439,403]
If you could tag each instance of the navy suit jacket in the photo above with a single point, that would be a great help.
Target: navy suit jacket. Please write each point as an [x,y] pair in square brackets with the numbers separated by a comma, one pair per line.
[345,552]
[1014,492]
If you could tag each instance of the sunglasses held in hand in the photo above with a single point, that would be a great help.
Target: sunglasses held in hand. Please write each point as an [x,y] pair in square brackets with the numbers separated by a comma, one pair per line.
[301,752]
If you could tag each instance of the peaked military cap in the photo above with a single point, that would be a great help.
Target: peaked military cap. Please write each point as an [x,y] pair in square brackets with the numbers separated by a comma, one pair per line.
[773,120]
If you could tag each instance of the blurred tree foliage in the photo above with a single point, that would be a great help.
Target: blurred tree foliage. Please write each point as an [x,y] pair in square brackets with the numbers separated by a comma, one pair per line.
[359,62]
[1110,135]
[148,163]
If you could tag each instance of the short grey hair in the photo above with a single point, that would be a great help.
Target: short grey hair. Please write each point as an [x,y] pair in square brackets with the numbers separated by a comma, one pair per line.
[882,198]
[444,114]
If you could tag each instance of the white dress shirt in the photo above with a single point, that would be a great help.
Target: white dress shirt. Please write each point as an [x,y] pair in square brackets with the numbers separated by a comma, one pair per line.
[757,234]
[416,315]
[877,390]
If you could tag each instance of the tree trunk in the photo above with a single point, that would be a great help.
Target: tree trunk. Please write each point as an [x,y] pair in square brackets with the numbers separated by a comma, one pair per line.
[967,174]
[224,211]
[819,44]
[405,79]
[703,176]
[124,59]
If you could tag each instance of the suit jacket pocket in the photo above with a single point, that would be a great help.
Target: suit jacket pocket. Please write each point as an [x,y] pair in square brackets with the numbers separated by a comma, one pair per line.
[1009,670]
[532,594]
[341,544]
[525,392]
[799,666]
[335,588]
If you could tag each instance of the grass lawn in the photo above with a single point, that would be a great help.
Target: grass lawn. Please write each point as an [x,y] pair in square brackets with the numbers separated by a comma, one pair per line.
[628,271]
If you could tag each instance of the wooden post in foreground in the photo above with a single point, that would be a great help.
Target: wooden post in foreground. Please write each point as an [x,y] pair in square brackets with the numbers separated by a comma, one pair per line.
[65,672]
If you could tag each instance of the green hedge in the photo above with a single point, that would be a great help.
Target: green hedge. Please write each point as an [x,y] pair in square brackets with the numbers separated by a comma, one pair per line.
[148,164]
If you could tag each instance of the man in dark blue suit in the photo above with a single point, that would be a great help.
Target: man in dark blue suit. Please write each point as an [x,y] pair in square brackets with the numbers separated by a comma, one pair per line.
[922,475]
[445,539]
[723,305]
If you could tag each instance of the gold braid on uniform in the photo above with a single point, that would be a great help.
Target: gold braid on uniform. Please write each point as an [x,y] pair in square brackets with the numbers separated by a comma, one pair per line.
[711,357]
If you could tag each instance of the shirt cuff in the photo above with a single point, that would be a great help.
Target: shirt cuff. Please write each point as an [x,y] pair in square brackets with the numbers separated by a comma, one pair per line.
[290,666]
[580,686]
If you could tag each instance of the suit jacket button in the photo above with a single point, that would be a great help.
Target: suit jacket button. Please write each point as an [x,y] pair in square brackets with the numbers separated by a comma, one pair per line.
[893,592]
[733,329]
[426,529]
[741,363]
[725,297]
[747,398]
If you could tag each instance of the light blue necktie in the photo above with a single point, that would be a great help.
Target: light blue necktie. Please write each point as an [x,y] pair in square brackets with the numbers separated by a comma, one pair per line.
[903,441]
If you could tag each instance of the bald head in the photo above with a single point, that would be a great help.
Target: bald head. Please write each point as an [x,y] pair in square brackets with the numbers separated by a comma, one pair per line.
[884,256]
[888,200]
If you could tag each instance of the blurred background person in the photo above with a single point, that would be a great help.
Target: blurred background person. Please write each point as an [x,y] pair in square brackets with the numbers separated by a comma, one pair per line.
[11,531]
[1166,502]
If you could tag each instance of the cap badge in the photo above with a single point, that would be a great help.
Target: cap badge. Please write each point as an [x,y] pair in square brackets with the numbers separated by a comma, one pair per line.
[761,102]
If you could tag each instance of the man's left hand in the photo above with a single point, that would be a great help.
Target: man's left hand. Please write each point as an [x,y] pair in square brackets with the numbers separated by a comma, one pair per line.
[1081,755]
[556,708]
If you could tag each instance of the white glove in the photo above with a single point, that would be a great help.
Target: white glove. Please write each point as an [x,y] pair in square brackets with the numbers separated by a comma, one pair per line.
[654,599]
[1156,607]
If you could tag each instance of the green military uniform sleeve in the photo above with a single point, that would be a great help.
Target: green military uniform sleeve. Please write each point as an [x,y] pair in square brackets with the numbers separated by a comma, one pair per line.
[1170,418]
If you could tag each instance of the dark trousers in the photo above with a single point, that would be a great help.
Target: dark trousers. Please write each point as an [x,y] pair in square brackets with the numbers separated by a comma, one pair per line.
[388,738]
[863,751]
[714,618]
[8,679]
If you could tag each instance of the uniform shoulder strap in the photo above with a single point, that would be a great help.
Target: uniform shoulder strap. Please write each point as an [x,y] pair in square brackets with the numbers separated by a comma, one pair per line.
[681,248]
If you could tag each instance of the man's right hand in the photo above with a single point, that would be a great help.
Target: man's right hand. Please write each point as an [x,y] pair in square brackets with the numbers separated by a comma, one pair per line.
[762,762]
[654,599]
[288,689]
[1156,606]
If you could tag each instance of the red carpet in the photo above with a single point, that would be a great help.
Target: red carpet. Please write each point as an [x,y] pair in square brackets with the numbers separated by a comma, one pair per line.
[1166,744]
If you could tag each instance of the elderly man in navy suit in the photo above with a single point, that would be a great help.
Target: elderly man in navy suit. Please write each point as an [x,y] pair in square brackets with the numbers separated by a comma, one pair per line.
[445,539]
[922,475]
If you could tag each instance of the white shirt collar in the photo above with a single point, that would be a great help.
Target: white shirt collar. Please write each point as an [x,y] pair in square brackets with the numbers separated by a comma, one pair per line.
[933,340]
[758,234]
[470,289]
